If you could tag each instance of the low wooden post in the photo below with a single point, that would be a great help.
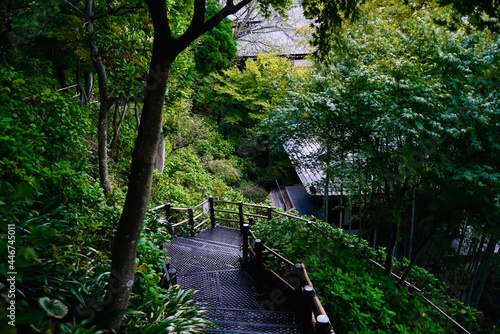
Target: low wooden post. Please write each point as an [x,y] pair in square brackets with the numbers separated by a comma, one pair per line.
[322,324]
[269,212]
[164,270]
[240,214]
[299,305]
[168,217]
[299,271]
[246,229]
[172,276]
[212,211]
[191,222]
[259,264]
[308,304]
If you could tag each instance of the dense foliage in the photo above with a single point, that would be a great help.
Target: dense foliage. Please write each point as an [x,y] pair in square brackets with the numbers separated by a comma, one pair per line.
[412,91]
[406,114]
[358,297]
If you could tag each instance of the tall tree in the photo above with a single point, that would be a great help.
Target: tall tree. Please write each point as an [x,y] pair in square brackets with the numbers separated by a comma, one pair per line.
[399,105]
[90,15]
[166,48]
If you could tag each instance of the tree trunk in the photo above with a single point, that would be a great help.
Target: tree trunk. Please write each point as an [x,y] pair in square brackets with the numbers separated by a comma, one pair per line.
[136,203]
[141,175]
[102,134]
[160,155]
[117,123]
[389,260]
[414,258]
[102,127]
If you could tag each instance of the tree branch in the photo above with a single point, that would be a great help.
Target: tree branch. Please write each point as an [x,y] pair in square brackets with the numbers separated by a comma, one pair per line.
[198,27]
[75,9]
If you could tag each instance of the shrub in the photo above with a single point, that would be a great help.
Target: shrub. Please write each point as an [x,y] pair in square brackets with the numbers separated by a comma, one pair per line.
[358,297]
[253,193]
[224,170]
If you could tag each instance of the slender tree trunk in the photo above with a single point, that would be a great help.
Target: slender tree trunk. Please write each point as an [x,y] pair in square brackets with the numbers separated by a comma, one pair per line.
[136,203]
[102,134]
[389,260]
[141,175]
[60,73]
[117,123]
[160,155]
[102,127]
[414,258]
[485,267]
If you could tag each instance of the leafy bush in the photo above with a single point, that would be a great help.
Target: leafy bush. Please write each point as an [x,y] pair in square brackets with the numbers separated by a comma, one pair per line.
[185,181]
[54,261]
[224,170]
[358,297]
[253,193]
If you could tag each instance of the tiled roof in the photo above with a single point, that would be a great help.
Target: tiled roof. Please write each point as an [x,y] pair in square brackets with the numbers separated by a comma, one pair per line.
[256,34]
[310,169]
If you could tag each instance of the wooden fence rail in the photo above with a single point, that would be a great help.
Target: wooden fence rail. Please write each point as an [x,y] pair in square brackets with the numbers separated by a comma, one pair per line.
[234,213]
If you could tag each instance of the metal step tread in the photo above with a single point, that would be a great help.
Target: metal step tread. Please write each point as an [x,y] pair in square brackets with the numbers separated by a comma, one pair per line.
[192,260]
[203,245]
[270,317]
[241,327]
[220,234]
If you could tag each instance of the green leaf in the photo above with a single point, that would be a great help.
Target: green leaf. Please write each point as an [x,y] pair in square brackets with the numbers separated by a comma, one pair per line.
[28,253]
[53,307]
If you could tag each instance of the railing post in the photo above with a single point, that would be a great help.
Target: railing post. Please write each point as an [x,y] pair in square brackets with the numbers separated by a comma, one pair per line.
[191,222]
[164,270]
[299,305]
[269,212]
[168,214]
[307,304]
[172,276]
[246,228]
[259,265]
[240,213]
[322,324]
[212,211]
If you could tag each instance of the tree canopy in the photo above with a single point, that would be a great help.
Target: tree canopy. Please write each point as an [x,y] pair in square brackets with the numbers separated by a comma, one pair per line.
[404,103]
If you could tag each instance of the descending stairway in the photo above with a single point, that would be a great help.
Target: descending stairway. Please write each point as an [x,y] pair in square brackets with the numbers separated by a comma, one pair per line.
[209,264]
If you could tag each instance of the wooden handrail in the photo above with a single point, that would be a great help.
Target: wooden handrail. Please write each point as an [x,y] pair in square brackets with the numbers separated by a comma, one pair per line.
[273,209]
[200,205]
[319,306]
[418,292]
[279,256]
[240,213]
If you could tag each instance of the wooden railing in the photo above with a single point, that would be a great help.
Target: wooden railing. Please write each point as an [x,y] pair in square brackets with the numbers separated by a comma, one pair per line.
[310,313]
[314,317]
